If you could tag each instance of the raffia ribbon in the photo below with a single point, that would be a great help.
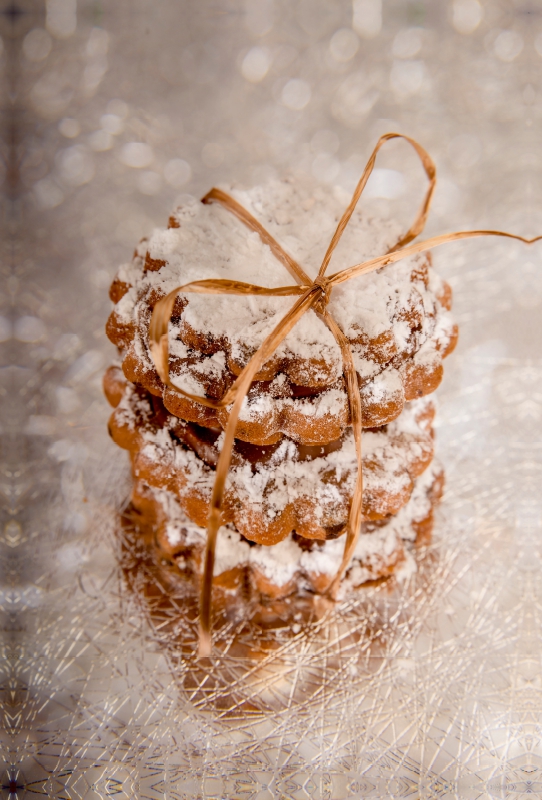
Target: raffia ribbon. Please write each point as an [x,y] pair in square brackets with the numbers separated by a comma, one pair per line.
[313,294]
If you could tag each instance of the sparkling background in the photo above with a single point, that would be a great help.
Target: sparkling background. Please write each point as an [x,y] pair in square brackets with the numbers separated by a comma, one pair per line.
[113,110]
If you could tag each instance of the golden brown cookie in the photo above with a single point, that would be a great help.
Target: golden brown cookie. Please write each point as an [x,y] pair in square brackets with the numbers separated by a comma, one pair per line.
[295,563]
[396,319]
[278,488]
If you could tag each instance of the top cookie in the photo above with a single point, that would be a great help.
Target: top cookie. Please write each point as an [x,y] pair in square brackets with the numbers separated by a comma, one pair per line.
[396,319]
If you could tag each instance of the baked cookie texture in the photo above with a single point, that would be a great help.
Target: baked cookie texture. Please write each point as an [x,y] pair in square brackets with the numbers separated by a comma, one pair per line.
[293,468]
[396,319]
[279,488]
[296,563]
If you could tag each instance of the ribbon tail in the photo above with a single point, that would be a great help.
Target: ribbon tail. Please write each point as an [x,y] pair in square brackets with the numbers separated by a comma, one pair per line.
[418,247]
[354,401]
[352,534]
[214,521]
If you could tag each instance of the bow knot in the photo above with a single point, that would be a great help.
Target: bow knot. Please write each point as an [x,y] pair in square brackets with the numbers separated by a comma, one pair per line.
[324,295]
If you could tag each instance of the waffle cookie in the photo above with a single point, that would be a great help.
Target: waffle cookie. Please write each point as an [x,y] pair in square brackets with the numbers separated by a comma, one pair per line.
[396,319]
[275,489]
[295,563]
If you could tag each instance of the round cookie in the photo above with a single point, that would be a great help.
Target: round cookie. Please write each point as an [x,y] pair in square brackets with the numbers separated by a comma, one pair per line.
[396,319]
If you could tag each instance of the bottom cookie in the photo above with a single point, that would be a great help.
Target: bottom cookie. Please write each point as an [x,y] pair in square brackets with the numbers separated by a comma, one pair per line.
[295,564]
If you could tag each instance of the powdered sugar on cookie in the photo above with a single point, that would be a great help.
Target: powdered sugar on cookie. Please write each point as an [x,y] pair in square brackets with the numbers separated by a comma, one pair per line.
[378,551]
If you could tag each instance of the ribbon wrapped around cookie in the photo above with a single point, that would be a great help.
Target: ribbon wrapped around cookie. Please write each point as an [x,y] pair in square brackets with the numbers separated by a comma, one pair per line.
[311,294]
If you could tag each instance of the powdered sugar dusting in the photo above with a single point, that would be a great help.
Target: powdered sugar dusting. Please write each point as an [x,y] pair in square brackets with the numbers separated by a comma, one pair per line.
[390,459]
[286,560]
[211,242]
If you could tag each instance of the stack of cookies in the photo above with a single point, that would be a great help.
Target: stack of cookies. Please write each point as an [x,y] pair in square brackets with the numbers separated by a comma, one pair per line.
[294,466]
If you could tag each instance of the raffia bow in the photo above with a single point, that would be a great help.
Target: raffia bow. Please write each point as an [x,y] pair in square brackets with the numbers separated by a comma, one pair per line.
[313,294]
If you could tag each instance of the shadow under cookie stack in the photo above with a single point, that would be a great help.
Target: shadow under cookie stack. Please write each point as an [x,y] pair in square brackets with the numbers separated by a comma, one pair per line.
[294,467]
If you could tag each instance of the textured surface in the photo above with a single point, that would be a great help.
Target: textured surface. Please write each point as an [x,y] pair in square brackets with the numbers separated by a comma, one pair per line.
[428,690]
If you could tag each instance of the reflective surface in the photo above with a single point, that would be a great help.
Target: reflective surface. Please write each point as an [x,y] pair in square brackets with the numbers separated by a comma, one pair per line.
[429,689]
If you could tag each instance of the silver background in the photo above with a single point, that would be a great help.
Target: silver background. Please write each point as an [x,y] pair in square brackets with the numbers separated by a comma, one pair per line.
[429,690]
